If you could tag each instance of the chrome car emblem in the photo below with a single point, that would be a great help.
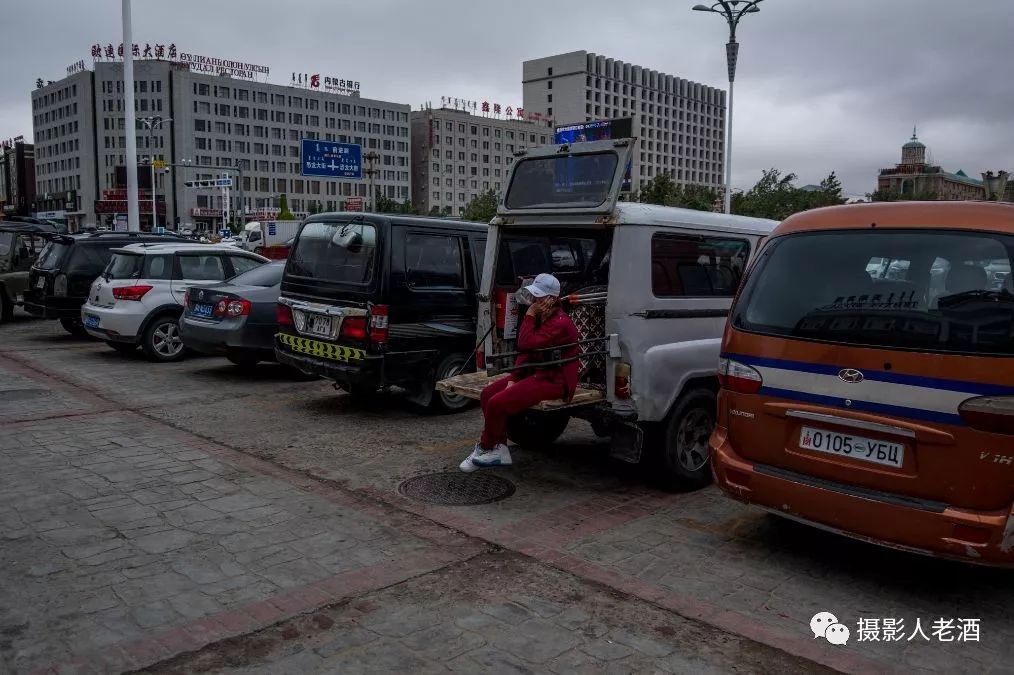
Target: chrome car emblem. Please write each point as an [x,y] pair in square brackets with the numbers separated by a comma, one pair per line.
[850,375]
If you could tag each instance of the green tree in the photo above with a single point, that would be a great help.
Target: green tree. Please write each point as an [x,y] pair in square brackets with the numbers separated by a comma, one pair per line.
[382,204]
[776,197]
[283,209]
[664,191]
[482,208]
[434,210]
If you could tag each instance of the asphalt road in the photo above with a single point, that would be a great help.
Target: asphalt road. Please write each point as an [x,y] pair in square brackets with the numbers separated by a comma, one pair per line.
[195,517]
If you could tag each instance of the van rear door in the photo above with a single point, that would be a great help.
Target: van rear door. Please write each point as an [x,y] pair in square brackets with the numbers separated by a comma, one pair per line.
[884,357]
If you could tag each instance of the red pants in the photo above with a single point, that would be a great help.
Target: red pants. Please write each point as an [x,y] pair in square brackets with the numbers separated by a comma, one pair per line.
[500,402]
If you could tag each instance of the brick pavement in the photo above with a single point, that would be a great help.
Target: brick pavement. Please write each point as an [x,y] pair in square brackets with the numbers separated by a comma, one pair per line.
[696,555]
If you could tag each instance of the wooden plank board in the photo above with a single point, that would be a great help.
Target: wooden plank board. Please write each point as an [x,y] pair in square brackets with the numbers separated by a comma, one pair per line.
[470,385]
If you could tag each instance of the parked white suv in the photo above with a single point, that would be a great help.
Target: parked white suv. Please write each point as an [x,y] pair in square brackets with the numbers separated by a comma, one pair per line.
[139,297]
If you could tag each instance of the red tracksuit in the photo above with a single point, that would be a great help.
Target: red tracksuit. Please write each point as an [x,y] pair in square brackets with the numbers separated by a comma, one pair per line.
[525,388]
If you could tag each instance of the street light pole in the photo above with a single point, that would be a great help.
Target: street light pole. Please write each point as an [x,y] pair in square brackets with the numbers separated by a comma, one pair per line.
[732,12]
[370,158]
[152,123]
[133,219]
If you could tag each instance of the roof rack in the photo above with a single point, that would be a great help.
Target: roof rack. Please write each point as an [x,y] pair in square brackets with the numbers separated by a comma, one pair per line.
[132,234]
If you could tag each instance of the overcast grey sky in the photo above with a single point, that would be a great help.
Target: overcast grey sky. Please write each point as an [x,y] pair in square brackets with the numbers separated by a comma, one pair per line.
[823,84]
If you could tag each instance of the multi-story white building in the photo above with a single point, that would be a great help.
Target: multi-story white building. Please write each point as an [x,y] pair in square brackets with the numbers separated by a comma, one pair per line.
[457,156]
[220,121]
[680,124]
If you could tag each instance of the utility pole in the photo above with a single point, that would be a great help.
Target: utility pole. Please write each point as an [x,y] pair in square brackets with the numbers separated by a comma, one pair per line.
[133,217]
[371,158]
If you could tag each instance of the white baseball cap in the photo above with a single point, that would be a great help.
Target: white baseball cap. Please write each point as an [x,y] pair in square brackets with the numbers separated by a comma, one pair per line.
[544,284]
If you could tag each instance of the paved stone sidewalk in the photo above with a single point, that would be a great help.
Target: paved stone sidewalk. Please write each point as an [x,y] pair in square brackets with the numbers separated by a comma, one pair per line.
[496,613]
[115,530]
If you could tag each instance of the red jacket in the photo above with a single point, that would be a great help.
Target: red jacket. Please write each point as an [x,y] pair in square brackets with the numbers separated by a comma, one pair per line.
[554,331]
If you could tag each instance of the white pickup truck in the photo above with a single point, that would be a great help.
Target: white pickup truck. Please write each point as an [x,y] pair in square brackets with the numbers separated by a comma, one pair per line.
[259,234]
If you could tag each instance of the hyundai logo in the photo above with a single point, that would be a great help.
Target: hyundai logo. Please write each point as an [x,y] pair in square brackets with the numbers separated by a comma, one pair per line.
[850,375]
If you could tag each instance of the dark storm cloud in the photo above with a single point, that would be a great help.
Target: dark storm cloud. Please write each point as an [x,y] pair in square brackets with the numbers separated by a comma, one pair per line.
[823,84]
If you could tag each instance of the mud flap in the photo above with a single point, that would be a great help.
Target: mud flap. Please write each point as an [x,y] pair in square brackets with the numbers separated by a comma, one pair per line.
[627,441]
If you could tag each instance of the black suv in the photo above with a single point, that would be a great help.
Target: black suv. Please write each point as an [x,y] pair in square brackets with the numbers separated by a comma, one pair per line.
[371,300]
[59,281]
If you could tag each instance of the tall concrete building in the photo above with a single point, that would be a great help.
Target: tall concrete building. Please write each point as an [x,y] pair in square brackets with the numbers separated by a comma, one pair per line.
[457,155]
[219,121]
[680,124]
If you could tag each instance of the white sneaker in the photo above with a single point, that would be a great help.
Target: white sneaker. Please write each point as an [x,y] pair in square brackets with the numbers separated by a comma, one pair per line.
[483,459]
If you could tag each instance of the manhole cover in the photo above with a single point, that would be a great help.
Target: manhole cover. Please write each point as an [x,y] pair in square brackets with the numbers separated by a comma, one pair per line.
[23,394]
[457,489]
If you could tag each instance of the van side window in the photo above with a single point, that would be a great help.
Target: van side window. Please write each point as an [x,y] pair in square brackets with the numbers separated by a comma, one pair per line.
[433,261]
[691,266]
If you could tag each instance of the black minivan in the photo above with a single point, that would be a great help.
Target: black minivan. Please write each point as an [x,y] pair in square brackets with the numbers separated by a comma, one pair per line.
[378,300]
[59,281]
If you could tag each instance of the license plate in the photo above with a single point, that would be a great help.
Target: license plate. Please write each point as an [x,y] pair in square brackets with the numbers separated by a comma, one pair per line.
[857,447]
[41,282]
[203,309]
[318,324]
[91,321]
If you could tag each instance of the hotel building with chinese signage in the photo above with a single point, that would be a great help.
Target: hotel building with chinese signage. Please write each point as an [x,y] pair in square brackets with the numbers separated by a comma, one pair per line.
[679,124]
[224,116]
[459,153]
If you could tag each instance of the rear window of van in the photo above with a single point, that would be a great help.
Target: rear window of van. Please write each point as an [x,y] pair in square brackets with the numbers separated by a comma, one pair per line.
[930,290]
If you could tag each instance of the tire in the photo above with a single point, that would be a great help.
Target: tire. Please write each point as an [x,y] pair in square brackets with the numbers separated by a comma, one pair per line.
[243,358]
[6,306]
[161,341]
[680,452]
[536,429]
[74,326]
[122,347]
[443,402]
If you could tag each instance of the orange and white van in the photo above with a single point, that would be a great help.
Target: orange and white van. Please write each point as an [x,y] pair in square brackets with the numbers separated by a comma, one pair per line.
[868,377]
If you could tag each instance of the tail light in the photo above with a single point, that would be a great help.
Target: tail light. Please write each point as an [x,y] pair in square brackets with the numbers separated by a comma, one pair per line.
[283,315]
[186,298]
[480,359]
[621,380]
[379,323]
[500,301]
[131,292]
[989,413]
[60,285]
[738,377]
[353,328]
[232,308]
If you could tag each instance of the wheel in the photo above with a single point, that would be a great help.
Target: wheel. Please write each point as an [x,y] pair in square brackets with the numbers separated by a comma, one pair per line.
[682,454]
[6,306]
[536,429]
[162,341]
[122,347]
[243,358]
[74,326]
[444,402]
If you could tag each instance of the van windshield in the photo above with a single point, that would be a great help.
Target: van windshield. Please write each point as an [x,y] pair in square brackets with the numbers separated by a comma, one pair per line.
[337,252]
[928,290]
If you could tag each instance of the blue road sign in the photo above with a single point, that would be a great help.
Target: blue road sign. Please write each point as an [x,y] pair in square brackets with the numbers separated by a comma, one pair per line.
[223,182]
[272,229]
[331,160]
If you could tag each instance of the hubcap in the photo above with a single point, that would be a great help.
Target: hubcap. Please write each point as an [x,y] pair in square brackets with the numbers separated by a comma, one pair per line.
[692,440]
[449,399]
[166,339]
